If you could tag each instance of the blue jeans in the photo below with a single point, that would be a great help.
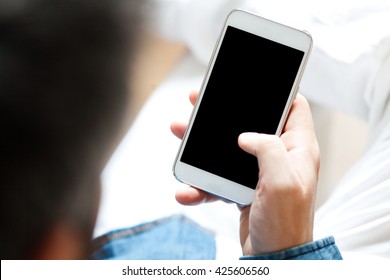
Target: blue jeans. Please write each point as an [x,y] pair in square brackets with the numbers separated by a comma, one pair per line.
[172,238]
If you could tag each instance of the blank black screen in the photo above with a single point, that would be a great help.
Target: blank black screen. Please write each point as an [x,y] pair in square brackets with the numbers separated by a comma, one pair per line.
[247,91]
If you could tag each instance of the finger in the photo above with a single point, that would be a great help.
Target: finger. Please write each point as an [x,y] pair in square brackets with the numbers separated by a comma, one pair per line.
[192,196]
[179,129]
[299,132]
[269,150]
[300,116]
[194,96]
[257,144]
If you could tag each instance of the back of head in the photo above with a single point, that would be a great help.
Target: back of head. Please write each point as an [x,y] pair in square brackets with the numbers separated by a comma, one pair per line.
[63,91]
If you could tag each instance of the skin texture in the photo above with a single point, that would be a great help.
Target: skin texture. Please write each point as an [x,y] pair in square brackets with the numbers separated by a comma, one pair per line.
[282,213]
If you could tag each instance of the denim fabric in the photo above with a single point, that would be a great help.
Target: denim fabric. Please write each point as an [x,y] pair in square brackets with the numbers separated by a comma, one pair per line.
[171,238]
[323,249]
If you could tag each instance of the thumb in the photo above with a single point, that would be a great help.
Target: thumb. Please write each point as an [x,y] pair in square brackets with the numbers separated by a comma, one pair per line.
[270,152]
[259,144]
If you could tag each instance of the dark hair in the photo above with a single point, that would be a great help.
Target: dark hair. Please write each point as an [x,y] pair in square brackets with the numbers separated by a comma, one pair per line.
[63,92]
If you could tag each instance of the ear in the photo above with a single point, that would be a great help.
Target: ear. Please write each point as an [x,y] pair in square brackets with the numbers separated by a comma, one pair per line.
[63,242]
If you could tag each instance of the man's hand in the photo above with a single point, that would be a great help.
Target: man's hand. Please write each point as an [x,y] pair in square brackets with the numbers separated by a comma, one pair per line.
[282,212]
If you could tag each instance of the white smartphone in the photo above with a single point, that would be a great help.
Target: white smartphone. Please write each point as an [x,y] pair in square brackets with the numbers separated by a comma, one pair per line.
[252,79]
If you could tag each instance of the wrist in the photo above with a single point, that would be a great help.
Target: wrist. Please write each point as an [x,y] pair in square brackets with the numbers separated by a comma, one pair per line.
[323,249]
